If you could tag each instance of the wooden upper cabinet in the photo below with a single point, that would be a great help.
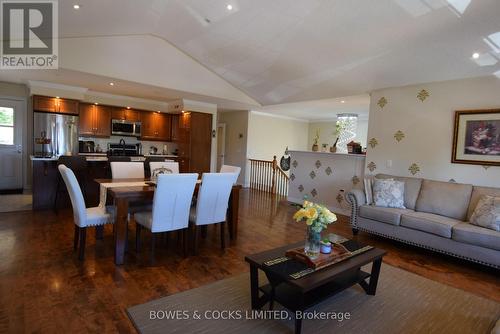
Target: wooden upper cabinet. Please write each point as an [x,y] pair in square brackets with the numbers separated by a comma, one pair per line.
[155,126]
[125,114]
[103,121]
[86,124]
[174,132]
[54,104]
[94,120]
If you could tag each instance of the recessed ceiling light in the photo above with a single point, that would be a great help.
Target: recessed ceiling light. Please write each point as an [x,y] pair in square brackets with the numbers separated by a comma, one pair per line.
[96,103]
[76,6]
[57,97]
[342,101]
[475,55]
[128,107]
[111,83]
[229,7]
[182,111]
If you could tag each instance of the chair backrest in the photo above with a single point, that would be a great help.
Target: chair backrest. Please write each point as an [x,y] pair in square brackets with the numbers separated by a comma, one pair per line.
[172,201]
[172,165]
[213,198]
[127,170]
[231,169]
[75,194]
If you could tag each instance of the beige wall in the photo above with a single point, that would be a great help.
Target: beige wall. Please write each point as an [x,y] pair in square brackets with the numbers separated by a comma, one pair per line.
[269,136]
[327,129]
[428,129]
[235,145]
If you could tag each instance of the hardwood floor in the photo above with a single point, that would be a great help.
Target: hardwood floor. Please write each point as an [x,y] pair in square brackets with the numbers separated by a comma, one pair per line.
[44,288]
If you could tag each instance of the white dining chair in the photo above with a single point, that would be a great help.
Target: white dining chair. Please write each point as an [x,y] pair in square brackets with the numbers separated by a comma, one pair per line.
[212,203]
[231,169]
[127,170]
[172,165]
[83,217]
[171,207]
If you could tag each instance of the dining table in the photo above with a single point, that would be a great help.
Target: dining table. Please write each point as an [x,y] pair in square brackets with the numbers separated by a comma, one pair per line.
[141,191]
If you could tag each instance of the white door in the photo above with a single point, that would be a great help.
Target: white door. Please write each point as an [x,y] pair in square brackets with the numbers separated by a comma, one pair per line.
[11,139]
[221,145]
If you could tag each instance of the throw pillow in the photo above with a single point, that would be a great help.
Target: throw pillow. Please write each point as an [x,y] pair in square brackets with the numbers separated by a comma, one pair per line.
[487,213]
[389,193]
[368,181]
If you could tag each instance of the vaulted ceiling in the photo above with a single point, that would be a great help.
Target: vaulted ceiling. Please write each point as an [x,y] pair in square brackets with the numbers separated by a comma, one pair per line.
[282,51]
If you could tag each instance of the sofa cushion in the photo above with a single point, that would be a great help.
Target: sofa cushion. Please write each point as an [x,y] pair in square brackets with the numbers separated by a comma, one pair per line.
[385,215]
[412,188]
[487,213]
[476,235]
[430,223]
[477,193]
[444,198]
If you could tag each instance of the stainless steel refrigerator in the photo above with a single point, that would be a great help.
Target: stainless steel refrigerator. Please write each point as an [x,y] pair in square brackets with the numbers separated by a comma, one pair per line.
[62,130]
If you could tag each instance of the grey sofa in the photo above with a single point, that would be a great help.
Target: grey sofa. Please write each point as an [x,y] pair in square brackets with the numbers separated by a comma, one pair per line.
[436,217]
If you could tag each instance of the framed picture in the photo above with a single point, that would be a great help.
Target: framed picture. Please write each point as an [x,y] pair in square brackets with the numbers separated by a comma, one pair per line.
[476,138]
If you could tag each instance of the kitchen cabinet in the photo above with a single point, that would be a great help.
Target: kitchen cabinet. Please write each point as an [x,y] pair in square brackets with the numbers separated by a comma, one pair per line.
[174,133]
[125,114]
[55,105]
[156,126]
[195,142]
[95,120]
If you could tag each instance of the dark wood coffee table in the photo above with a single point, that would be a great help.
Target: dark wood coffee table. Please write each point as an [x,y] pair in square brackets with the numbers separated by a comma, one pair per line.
[305,292]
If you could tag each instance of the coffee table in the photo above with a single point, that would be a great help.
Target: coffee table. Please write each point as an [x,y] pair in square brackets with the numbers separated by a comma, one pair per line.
[304,292]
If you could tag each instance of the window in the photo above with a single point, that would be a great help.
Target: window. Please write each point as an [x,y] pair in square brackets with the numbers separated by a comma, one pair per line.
[6,126]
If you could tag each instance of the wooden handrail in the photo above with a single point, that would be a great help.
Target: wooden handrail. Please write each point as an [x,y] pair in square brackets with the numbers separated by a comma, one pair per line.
[267,176]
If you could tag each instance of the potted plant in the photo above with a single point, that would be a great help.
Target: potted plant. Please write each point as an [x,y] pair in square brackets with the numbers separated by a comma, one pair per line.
[317,218]
[336,133]
[315,146]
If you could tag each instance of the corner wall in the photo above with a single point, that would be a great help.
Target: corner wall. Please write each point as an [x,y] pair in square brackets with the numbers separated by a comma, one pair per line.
[427,127]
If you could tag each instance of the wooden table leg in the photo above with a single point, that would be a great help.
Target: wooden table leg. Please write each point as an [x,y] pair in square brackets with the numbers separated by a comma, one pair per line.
[372,286]
[254,287]
[234,206]
[120,229]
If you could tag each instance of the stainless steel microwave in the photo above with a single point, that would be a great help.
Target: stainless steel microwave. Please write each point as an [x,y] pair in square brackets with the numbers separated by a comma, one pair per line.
[125,128]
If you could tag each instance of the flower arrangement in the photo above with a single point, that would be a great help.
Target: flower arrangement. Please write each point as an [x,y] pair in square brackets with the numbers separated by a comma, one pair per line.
[317,216]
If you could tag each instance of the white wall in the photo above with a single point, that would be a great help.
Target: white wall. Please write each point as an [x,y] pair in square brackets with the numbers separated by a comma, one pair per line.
[269,136]
[428,129]
[236,139]
[327,129]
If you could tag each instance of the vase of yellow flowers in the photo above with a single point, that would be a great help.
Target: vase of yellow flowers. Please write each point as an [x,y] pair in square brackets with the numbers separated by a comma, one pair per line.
[317,218]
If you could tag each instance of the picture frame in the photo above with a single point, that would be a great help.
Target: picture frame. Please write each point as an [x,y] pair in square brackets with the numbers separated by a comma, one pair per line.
[476,137]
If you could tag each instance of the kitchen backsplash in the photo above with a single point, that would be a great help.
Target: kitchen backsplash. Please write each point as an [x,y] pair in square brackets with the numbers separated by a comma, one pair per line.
[146,145]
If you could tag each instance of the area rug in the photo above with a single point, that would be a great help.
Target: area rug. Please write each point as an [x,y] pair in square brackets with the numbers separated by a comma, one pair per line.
[404,303]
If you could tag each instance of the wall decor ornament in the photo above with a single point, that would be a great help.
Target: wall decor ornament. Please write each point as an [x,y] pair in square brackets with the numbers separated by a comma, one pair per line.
[340,198]
[328,171]
[476,137]
[373,142]
[355,180]
[423,95]
[292,176]
[312,174]
[452,181]
[301,188]
[372,166]
[314,193]
[486,167]
[399,135]
[318,164]
[295,164]
[414,169]
[382,102]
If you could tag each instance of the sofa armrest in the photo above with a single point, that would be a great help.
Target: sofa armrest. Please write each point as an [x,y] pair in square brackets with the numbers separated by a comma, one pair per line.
[355,197]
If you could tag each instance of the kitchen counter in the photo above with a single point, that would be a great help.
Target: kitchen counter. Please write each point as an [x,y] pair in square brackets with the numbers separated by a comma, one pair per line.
[104,157]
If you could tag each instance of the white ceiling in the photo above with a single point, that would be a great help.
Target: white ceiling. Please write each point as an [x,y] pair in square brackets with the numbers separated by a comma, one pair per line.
[284,51]
[322,110]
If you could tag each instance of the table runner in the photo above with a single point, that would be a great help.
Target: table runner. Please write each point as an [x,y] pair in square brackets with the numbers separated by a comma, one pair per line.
[103,189]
